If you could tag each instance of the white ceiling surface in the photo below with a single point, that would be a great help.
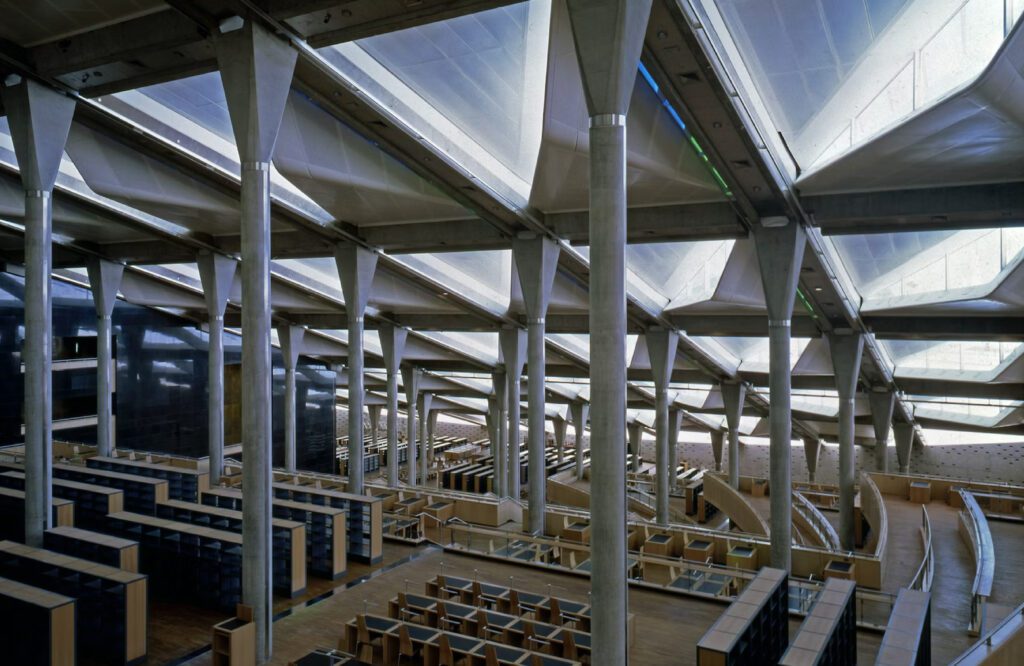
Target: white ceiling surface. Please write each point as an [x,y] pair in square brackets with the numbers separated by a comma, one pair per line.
[350,177]
[974,135]
[662,166]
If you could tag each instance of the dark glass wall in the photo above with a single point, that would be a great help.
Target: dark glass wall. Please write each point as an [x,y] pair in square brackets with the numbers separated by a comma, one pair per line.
[161,379]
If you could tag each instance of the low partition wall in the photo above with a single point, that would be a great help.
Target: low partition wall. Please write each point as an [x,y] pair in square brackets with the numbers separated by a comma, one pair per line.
[872,508]
[813,523]
[734,505]
[807,561]
[469,507]
[941,487]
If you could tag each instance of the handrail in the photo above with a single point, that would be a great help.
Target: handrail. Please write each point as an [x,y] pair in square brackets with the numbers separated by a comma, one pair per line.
[993,642]
[922,579]
[827,535]
[974,529]
[873,508]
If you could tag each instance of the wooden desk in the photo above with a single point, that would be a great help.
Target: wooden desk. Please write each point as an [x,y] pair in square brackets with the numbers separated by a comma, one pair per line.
[699,550]
[441,511]
[920,492]
[410,506]
[234,642]
[578,531]
[659,544]
[759,488]
[840,569]
[742,557]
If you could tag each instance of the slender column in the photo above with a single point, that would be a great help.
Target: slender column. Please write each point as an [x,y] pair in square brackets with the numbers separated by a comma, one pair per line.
[374,414]
[431,428]
[636,438]
[675,421]
[217,273]
[661,349]
[392,343]
[846,353]
[717,442]
[536,260]
[513,340]
[356,267]
[579,411]
[491,419]
[559,424]
[411,379]
[39,120]
[104,280]
[609,36]
[812,448]
[256,70]
[780,249]
[291,339]
[424,410]
[500,382]
[733,396]
[904,435]
[882,403]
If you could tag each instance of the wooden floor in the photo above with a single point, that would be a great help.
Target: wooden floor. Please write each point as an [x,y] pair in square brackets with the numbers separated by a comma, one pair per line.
[668,625]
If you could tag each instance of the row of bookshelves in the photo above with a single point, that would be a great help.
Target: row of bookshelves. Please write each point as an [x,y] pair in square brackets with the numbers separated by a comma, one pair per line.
[93,546]
[754,629]
[92,502]
[183,483]
[141,493]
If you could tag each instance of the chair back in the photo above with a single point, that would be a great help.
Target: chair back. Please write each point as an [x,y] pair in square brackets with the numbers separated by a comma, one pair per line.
[569,650]
[405,647]
[363,632]
[445,656]
[555,610]
[513,601]
[478,592]
[491,656]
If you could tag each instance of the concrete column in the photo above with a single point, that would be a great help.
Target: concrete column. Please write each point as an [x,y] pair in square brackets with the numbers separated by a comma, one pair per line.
[431,428]
[609,36]
[426,400]
[559,424]
[780,250]
[500,382]
[846,353]
[635,439]
[675,421]
[374,413]
[513,342]
[882,403]
[812,447]
[579,411]
[217,273]
[411,380]
[733,396]
[256,70]
[536,260]
[291,339]
[39,120]
[661,349]
[392,343]
[904,435]
[104,280]
[717,444]
[356,267]
[491,419]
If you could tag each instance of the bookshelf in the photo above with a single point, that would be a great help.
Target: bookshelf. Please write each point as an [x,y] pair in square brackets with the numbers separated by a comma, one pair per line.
[141,494]
[754,628]
[12,513]
[828,634]
[92,502]
[288,537]
[93,546]
[182,483]
[364,514]
[111,604]
[41,624]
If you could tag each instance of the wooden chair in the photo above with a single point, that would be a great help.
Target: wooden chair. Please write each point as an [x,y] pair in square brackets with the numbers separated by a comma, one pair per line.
[364,642]
[491,656]
[487,632]
[405,644]
[443,589]
[446,623]
[531,641]
[519,608]
[445,654]
[557,616]
[569,650]
[408,614]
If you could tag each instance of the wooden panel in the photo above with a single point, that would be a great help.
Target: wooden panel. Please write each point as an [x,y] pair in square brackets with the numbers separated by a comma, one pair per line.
[233,402]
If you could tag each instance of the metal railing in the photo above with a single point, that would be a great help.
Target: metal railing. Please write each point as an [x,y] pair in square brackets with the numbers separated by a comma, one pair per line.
[1009,628]
[922,579]
[974,530]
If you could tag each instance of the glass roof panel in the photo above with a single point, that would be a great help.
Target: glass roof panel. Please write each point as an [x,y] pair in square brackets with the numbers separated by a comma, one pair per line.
[914,356]
[753,352]
[680,271]
[927,262]
[485,71]
[835,73]
[481,345]
[318,272]
[483,276]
